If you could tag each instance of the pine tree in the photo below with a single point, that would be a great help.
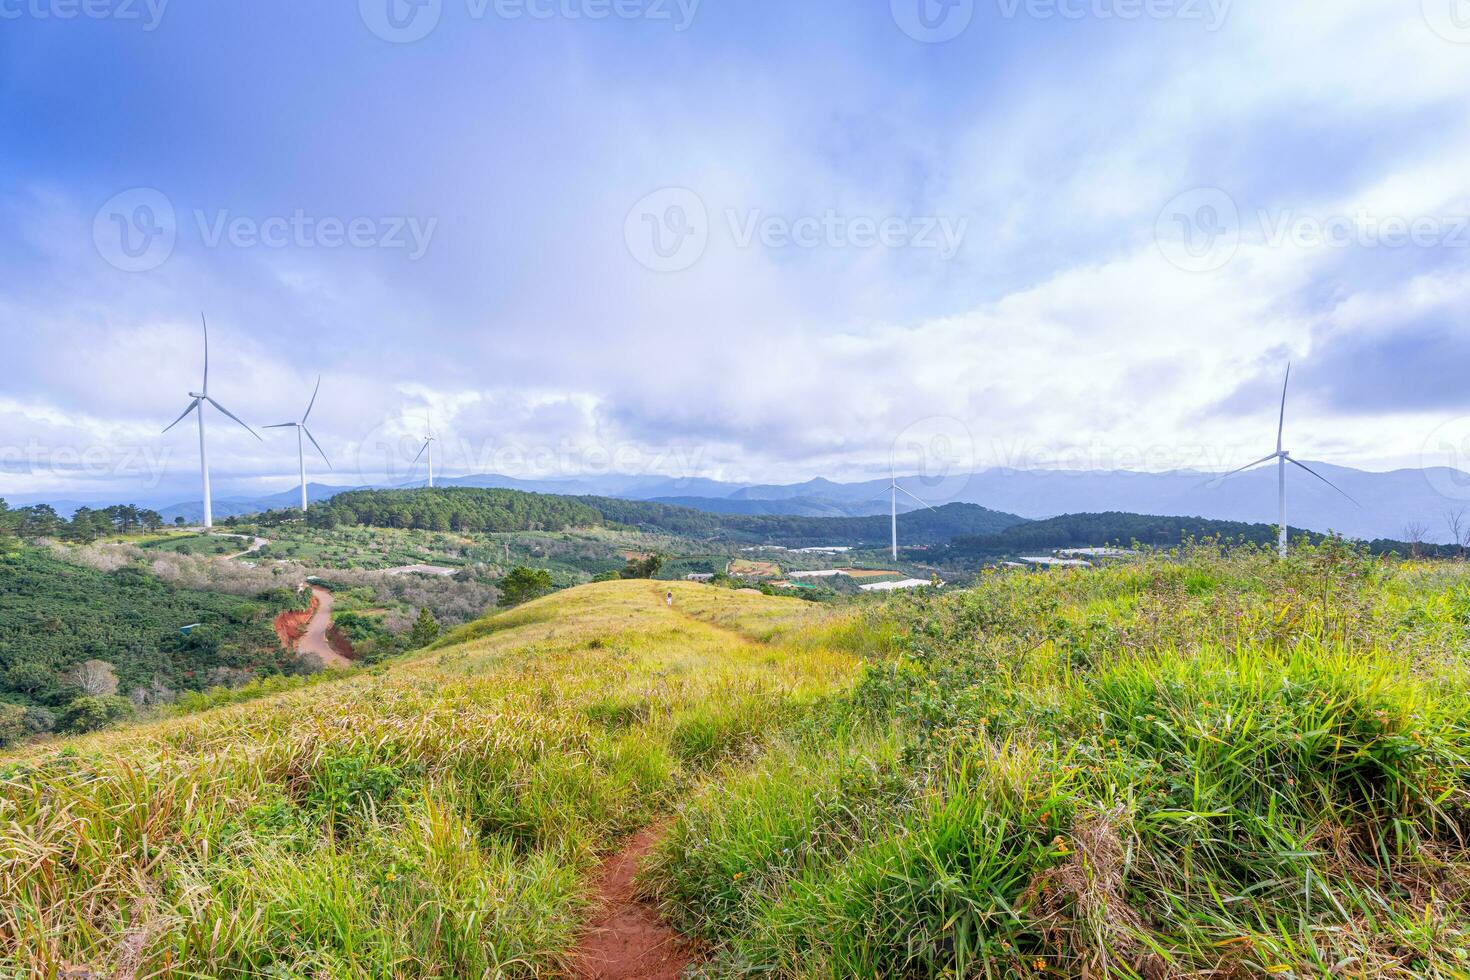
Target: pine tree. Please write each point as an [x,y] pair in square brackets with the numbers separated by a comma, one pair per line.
[425,629]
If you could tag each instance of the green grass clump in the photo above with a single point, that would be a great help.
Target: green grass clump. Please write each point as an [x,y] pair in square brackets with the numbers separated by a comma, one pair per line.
[1192,764]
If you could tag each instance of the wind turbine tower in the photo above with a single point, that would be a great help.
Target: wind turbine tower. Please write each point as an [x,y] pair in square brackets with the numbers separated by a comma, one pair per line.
[302,430]
[428,447]
[1283,457]
[894,489]
[197,405]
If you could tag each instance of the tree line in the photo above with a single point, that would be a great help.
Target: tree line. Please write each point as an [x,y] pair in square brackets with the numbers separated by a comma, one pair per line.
[477,510]
[84,526]
[1120,529]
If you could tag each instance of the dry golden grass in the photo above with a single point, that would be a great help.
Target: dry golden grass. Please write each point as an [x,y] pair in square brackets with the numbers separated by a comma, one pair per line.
[435,819]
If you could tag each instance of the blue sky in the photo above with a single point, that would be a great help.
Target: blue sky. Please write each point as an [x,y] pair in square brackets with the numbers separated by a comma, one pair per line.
[1085,233]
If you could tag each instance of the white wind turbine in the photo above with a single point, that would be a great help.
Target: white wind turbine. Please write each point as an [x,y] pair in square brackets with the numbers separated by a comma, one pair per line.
[200,397]
[428,447]
[301,430]
[1282,457]
[894,489]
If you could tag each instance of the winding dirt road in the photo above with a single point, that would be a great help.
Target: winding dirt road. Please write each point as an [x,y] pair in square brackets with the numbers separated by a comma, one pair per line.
[315,639]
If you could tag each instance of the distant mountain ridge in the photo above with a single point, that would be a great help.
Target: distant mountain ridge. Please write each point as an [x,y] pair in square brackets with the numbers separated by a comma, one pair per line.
[1390,501]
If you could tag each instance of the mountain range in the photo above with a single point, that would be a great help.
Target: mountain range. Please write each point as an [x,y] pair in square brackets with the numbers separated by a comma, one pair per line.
[1384,504]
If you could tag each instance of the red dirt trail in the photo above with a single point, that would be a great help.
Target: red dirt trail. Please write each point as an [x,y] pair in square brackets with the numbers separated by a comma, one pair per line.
[627,940]
[312,631]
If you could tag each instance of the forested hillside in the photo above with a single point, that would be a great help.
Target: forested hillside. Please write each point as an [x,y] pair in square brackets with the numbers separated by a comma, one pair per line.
[56,617]
[1113,528]
[481,510]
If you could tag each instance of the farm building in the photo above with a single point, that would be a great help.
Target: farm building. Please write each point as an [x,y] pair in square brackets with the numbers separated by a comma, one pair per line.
[908,583]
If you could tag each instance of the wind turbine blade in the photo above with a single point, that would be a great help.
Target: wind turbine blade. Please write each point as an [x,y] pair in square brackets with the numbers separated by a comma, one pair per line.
[422,450]
[1323,479]
[313,399]
[1216,480]
[205,389]
[906,493]
[283,425]
[1281,428]
[192,405]
[233,416]
[879,495]
[318,447]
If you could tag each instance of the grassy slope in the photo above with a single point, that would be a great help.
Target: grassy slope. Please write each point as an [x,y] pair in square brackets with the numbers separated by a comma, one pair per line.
[1205,767]
[1178,767]
[436,820]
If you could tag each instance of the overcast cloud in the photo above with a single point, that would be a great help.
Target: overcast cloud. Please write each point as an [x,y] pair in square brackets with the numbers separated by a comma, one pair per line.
[754,241]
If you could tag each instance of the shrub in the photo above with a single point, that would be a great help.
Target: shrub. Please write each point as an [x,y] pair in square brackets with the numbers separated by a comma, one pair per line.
[38,721]
[12,723]
[89,713]
[29,677]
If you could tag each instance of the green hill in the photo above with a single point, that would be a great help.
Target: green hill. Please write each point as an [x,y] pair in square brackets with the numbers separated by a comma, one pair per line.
[481,510]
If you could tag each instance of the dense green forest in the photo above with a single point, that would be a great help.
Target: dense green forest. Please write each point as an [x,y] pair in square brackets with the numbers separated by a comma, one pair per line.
[1123,529]
[480,510]
[59,620]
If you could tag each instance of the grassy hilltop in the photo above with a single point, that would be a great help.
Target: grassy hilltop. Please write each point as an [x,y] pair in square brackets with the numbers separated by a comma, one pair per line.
[1187,765]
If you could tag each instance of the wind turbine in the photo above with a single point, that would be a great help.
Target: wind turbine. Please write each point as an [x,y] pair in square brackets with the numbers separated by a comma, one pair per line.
[1283,457]
[428,447]
[200,397]
[894,489]
[301,430]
